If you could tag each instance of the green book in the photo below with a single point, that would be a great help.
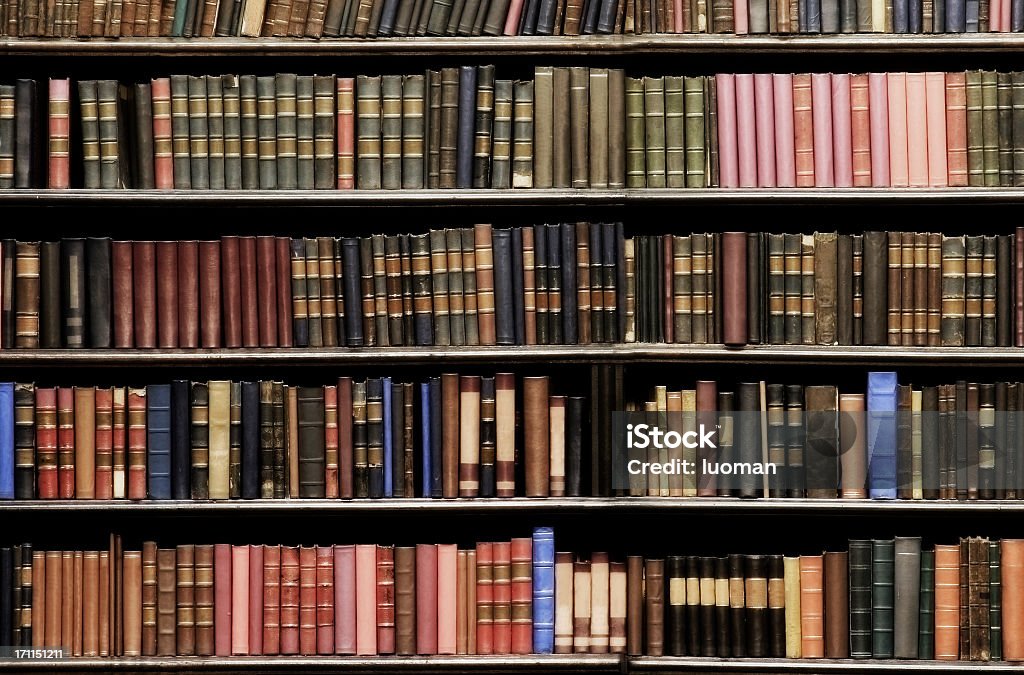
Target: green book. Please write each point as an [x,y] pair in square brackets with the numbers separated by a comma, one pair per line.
[990,127]
[413,124]
[926,621]
[180,12]
[391,132]
[882,597]
[1017,126]
[543,127]
[654,130]
[1004,107]
[975,137]
[368,132]
[675,145]
[860,598]
[995,602]
[636,171]
[523,166]
[696,136]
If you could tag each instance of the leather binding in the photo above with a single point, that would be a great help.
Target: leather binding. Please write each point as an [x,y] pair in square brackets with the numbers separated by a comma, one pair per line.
[875,288]
[756,600]
[46,442]
[311,442]
[654,606]
[393,310]
[24,440]
[995,616]
[535,408]
[247,267]
[733,624]
[98,302]
[777,606]
[65,443]
[735,297]
[290,600]
[26,294]
[50,309]
[265,308]
[882,598]
[150,596]
[313,305]
[87,590]
[852,436]
[53,594]
[210,293]
[166,306]
[675,615]
[185,640]
[231,290]
[581,609]
[10,595]
[502,597]
[73,291]
[791,281]
[290,434]
[634,605]
[166,624]
[137,443]
[328,292]
[250,440]
[219,434]
[360,468]
[1012,586]
[199,440]
[617,607]
[270,584]
[707,582]
[385,599]
[836,615]
[979,599]
[822,451]
[307,600]
[947,602]
[375,437]
[222,597]
[119,440]
[404,600]
[131,599]
[284,300]
[484,628]
[521,557]
[541,282]
[426,599]
[103,440]
[365,599]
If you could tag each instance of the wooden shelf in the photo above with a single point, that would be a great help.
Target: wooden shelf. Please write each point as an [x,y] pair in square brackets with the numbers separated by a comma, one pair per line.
[1002,357]
[592,45]
[672,664]
[538,197]
[596,506]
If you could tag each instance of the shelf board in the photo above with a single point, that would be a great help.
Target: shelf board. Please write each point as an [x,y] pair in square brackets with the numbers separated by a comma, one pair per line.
[350,665]
[456,507]
[682,664]
[532,197]
[1003,357]
[520,45]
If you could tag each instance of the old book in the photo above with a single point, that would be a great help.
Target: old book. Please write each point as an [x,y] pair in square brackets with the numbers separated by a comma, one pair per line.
[882,598]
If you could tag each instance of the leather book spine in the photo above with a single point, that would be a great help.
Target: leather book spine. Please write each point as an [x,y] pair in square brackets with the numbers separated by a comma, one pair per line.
[166,602]
[469,436]
[1011,581]
[502,598]
[393,309]
[137,443]
[505,435]
[537,461]
[269,583]
[484,628]
[360,466]
[311,442]
[654,585]
[149,598]
[736,625]
[450,435]
[247,268]
[385,599]
[59,134]
[199,440]
[290,599]
[543,602]
[581,611]
[73,292]
[907,579]
[158,440]
[66,456]
[882,598]
[22,471]
[307,600]
[250,440]
[210,293]
[426,599]
[98,305]
[405,600]
[521,568]
[777,606]
[635,605]
[102,411]
[675,616]
[707,582]
[756,603]
[331,442]
[219,439]
[344,600]
[375,438]
[265,309]
[329,293]
[46,442]
[50,308]
[735,300]
[231,290]
[185,618]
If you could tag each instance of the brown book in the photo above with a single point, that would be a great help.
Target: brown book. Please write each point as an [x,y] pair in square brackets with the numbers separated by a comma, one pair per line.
[188,294]
[934,291]
[85,442]
[166,605]
[907,295]
[144,293]
[231,291]
[450,435]
[123,303]
[654,596]
[266,290]
[405,600]
[204,600]
[247,278]
[270,582]
[1012,585]
[149,598]
[307,600]
[634,605]
[485,284]
[284,292]
[185,601]
[734,301]
[210,294]
[837,616]
[167,294]
[947,602]
[812,607]
[894,277]
[536,436]
[90,603]
[469,436]
[131,608]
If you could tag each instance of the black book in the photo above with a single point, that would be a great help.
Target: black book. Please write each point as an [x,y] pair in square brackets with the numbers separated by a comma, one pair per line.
[436,440]
[489,440]
[6,596]
[352,296]
[844,289]
[50,308]
[504,309]
[181,439]
[847,17]
[574,412]
[876,299]
[614,241]
[707,609]
[860,599]
[528,19]
[397,422]
[145,176]
[466,128]
[693,634]
[675,615]
[756,610]
[775,395]
[540,274]
[556,334]
[737,606]
[606,16]
[251,474]
[1004,291]
[546,17]
[422,290]
[597,284]
[73,292]
[776,607]
[821,447]
[960,434]
[29,138]
[408,307]
[754,287]
[570,307]
[591,11]
[795,479]
[930,442]
[518,309]
[722,645]
[24,441]
[97,254]
[748,435]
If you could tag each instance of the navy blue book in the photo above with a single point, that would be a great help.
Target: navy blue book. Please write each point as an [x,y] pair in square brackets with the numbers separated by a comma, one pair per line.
[425,440]
[882,435]
[466,128]
[250,440]
[971,13]
[1017,16]
[596,283]
[956,16]
[570,320]
[900,16]
[389,440]
[387,18]
[398,444]
[6,441]
[436,485]
[181,440]
[300,324]
[591,13]
[915,23]
[158,440]
[504,307]
[518,309]
[813,16]
[543,590]
[352,298]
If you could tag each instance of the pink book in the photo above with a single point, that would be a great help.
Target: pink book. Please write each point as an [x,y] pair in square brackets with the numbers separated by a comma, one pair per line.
[860,122]
[785,157]
[222,563]
[935,86]
[324,600]
[239,600]
[1005,14]
[842,131]
[256,599]
[821,95]
[917,131]
[878,101]
[677,16]
[346,133]
[994,15]
[899,171]
[728,162]
[746,130]
[515,9]
[426,599]
[59,162]
[344,600]
[366,599]
[764,111]
[447,597]
[740,22]
[272,600]
[803,130]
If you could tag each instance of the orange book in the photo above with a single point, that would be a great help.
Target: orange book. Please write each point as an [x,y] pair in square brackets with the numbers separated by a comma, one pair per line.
[812,607]
[898,159]
[947,603]
[956,128]
[1012,579]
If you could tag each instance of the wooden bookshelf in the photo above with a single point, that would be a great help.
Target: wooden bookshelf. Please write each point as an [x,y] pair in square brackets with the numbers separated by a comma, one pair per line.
[671,664]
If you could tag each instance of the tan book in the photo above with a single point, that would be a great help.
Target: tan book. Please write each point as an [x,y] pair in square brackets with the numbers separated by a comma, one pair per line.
[617,608]
[220,438]
[564,595]
[292,415]
[469,436]
[556,420]
[599,603]
[791,581]
[131,608]
[581,607]
[85,442]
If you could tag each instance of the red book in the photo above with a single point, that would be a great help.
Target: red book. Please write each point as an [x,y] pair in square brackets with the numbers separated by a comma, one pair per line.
[163,156]
[59,135]
[144,293]
[324,600]
[222,599]
[515,10]
[137,443]
[239,600]
[104,443]
[123,303]
[250,305]
[46,442]
[502,591]
[447,598]
[331,442]
[821,97]
[307,600]
[728,160]
[344,600]
[66,442]
[522,595]
[860,125]
[284,292]
[209,293]
[272,600]
[842,130]
[256,599]
[290,572]
[956,128]
[231,291]
[484,598]
[385,599]
[266,290]
[345,437]
[366,599]
[746,130]
[426,599]
[188,294]
[803,130]
[167,293]
[764,111]
[346,135]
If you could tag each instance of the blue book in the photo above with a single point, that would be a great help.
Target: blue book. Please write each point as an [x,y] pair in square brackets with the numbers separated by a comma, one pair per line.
[436,485]
[158,440]
[882,435]
[425,437]
[388,440]
[6,440]
[543,590]
[956,16]
[972,11]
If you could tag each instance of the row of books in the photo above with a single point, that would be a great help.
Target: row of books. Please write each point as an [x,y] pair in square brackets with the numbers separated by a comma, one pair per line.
[572,283]
[449,436]
[882,598]
[226,600]
[400,18]
[949,441]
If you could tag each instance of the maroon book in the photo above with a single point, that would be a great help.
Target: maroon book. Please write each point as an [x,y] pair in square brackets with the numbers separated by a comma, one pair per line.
[167,293]
[284,292]
[209,293]
[144,293]
[124,303]
[188,294]
[250,306]
[266,289]
[231,291]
